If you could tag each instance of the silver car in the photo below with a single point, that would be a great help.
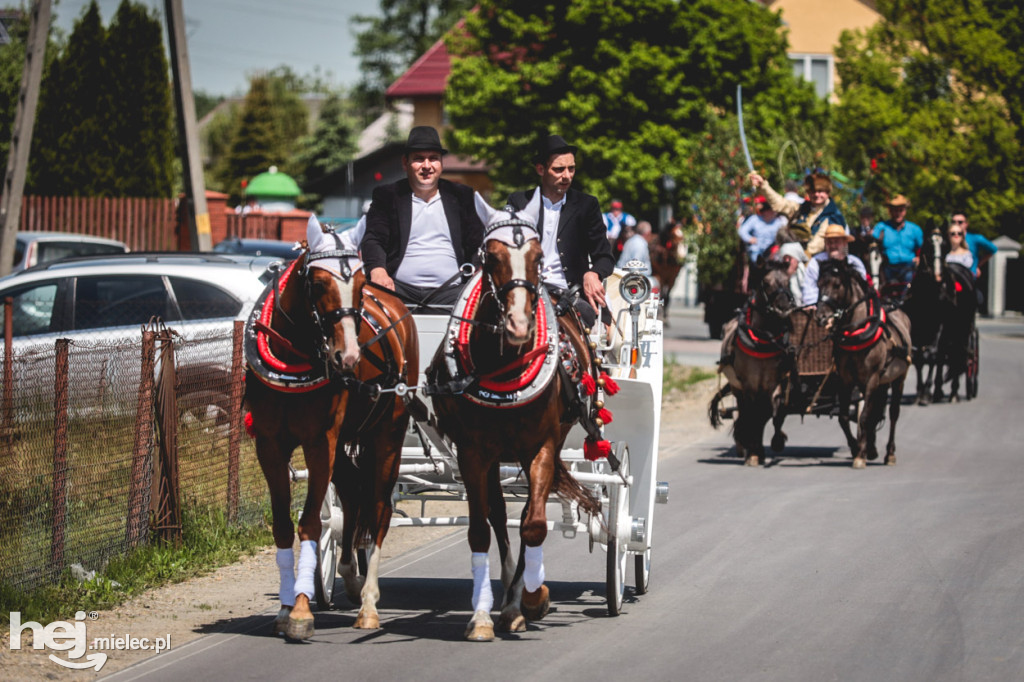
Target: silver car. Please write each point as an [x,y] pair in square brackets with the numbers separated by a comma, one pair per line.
[101,304]
[35,248]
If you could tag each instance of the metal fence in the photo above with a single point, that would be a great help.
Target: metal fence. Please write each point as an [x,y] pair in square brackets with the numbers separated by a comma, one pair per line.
[105,445]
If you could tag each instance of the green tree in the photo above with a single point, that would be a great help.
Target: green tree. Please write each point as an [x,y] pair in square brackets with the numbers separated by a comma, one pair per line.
[143,134]
[931,108]
[331,144]
[390,43]
[634,84]
[74,155]
[255,143]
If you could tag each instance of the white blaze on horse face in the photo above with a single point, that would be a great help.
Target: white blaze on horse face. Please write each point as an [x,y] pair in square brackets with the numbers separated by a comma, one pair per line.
[350,353]
[937,255]
[517,319]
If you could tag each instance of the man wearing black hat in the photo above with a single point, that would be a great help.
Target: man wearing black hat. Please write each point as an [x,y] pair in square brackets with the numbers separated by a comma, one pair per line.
[421,229]
[573,233]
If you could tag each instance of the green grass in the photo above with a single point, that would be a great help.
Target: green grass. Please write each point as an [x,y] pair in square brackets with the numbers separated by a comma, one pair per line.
[677,377]
[208,542]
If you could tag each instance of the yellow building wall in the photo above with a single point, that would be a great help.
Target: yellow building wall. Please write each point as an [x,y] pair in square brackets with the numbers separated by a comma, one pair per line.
[814,25]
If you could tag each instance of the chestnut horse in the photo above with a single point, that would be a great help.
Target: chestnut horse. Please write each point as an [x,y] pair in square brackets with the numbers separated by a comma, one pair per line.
[326,353]
[871,349]
[501,392]
[667,255]
[755,360]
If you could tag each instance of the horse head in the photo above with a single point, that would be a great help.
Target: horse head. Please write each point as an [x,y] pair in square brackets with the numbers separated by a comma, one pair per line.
[932,262]
[674,241]
[773,294]
[512,261]
[837,290]
[334,283]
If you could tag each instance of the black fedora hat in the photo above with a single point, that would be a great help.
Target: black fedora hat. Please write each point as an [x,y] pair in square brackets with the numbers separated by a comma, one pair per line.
[552,144]
[424,138]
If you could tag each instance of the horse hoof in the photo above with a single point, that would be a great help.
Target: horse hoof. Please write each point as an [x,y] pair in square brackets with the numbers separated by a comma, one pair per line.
[890,460]
[299,629]
[367,621]
[535,605]
[511,621]
[954,398]
[480,632]
[281,621]
[859,463]
[779,442]
[752,461]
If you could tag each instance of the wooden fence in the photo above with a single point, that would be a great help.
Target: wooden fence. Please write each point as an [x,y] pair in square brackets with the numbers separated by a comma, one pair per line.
[142,224]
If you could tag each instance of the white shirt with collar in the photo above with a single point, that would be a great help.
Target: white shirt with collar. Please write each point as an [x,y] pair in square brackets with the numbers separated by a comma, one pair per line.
[553,273]
[429,259]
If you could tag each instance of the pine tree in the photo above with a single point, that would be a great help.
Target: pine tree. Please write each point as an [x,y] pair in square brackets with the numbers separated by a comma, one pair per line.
[255,144]
[331,144]
[142,134]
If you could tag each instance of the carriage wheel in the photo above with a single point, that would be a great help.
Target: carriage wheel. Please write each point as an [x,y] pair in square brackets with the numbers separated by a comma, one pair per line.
[618,509]
[973,359]
[327,550]
[642,571]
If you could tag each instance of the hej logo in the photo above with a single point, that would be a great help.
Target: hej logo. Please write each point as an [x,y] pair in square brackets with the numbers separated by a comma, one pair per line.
[59,636]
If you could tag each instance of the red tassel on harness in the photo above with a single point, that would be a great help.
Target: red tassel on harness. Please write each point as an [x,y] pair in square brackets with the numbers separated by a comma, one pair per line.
[610,387]
[248,425]
[595,450]
[588,384]
[605,415]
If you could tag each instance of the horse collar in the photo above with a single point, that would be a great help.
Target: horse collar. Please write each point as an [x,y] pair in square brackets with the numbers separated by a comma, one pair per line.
[532,372]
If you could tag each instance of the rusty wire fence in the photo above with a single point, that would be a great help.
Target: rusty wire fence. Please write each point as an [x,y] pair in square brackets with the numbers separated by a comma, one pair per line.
[104,445]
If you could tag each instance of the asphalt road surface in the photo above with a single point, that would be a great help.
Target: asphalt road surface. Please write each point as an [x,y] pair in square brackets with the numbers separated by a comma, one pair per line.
[802,570]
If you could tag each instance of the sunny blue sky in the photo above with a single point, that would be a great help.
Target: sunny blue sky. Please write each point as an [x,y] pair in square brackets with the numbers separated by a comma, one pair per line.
[228,39]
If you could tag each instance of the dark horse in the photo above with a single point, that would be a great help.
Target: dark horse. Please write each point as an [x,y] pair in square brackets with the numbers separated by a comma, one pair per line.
[954,345]
[929,305]
[871,349]
[668,252]
[755,361]
[326,352]
[500,393]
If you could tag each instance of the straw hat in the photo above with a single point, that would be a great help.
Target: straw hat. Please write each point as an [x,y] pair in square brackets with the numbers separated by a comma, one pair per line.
[836,231]
[898,200]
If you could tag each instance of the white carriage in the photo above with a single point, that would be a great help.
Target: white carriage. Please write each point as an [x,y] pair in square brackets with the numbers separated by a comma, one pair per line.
[634,359]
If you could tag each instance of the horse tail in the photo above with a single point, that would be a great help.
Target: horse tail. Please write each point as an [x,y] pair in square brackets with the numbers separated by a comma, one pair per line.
[569,489]
[713,414]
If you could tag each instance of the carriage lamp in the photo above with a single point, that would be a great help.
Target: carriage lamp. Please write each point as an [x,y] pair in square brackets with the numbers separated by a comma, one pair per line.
[635,288]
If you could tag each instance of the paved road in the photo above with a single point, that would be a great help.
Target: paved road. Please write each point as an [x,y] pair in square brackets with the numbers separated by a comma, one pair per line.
[804,570]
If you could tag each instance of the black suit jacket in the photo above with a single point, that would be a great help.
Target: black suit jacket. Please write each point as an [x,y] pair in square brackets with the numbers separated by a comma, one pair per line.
[582,237]
[390,218]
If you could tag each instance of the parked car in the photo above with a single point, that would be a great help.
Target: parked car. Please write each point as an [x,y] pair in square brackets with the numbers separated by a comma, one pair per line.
[101,303]
[34,248]
[258,247]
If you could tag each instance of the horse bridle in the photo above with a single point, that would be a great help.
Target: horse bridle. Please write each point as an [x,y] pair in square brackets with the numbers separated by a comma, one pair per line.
[846,275]
[770,298]
[518,239]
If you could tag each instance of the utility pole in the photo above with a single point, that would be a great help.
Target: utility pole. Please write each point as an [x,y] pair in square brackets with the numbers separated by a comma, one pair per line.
[21,133]
[195,188]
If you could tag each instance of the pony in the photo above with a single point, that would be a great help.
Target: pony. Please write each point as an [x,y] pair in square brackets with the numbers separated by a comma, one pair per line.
[505,388]
[668,252]
[929,306]
[871,348]
[755,361]
[327,352]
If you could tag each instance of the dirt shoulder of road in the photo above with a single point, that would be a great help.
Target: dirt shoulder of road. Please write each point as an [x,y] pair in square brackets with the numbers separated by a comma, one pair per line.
[185,611]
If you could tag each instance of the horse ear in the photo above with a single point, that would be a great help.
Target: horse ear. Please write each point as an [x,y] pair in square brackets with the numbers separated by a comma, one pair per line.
[531,213]
[315,235]
[483,209]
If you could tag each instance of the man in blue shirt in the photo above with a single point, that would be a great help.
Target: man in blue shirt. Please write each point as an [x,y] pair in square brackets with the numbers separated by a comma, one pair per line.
[981,248]
[637,247]
[759,230]
[900,240]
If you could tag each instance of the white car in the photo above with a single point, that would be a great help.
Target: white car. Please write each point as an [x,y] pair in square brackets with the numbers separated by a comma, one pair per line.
[35,248]
[101,304]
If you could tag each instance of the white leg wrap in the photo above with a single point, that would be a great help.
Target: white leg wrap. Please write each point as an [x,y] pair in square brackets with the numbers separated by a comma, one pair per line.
[483,598]
[307,568]
[286,567]
[533,572]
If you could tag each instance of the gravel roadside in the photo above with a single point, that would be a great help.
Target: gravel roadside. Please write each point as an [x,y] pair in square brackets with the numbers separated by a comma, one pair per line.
[188,610]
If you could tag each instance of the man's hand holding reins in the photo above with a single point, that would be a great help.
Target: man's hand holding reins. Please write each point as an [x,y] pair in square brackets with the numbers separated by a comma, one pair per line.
[380,277]
[594,291]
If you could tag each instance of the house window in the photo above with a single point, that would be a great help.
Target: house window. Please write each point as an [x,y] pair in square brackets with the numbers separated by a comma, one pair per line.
[816,68]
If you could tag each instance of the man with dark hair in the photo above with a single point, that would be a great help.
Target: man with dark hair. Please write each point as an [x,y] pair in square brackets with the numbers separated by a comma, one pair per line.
[421,229]
[573,233]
